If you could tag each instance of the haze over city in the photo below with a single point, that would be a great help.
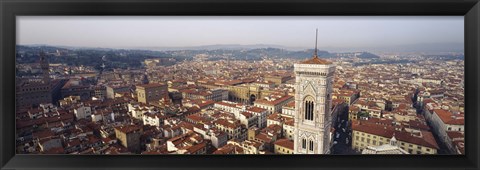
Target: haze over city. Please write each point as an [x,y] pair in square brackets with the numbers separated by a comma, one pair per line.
[336,33]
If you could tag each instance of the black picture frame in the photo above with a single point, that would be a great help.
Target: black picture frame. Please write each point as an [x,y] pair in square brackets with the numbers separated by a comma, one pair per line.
[470,9]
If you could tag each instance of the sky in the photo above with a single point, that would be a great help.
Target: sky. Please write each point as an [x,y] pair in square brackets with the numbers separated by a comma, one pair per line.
[185,31]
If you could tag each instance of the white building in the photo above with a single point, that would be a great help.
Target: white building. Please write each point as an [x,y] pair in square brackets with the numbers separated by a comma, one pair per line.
[313,90]
[217,137]
[82,112]
[237,109]
[273,104]
[390,148]
[444,121]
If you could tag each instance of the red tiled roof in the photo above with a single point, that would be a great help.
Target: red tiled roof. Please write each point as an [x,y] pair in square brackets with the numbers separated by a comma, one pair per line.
[274,102]
[427,138]
[455,134]
[287,143]
[316,60]
[150,85]
[225,123]
[128,128]
[449,118]
[246,114]
[197,147]
[256,109]
[291,104]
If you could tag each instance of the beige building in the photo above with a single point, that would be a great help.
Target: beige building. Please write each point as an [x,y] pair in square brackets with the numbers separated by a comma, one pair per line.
[283,146]
[234,129]
[129,137]
[244,93]
[348,95]
[274,104]
[285,122]
[151,93]
[369,134]
[277,79]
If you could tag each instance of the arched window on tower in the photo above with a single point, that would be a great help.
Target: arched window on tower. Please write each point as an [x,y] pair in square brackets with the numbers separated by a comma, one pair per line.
[311,145]
[304,143]
[308,108]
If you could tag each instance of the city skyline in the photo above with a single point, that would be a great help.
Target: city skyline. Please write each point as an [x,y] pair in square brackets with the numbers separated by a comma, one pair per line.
[335,32]
[271,102]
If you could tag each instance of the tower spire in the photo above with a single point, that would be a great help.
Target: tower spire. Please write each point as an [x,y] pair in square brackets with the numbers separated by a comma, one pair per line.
[45,67]
[316,40]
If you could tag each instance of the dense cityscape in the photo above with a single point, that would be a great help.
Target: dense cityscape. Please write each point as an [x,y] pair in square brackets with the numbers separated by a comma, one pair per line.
[237,101]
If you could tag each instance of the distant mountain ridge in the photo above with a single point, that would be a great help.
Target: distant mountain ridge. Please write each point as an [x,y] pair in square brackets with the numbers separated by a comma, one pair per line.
[419,47]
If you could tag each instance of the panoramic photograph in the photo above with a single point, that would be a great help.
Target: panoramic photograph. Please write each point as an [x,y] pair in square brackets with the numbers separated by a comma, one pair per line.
[143,85]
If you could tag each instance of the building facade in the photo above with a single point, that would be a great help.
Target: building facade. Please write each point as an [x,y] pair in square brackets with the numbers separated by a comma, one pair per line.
[32,93]
[313,89]
[151,93]
[129,136]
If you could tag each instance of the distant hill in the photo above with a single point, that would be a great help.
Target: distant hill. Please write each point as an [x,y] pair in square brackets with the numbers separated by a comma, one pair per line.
[367,55]
[215,47]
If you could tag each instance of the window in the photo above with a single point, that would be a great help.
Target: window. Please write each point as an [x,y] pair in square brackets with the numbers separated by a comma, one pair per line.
[309,108]
[304,143]
[311,145]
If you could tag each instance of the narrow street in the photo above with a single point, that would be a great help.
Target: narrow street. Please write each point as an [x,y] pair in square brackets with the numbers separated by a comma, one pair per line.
[342,137]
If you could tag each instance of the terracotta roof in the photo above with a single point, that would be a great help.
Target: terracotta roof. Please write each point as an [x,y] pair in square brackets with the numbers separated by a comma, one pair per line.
[264,138]
[455,135]
[450,118]
[226,123]
[150,85]
[256,109]
[287,143]
[229,149]
[128,128]
[57,150]
[246,114]
[290,104]
[316,60]
[426,140]
[273,102]
[197,147]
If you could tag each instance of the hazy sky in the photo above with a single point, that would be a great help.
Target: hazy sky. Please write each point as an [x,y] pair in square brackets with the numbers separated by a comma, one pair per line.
[160,31]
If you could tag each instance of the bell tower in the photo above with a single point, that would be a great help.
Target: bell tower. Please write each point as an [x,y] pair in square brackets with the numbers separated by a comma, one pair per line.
[45,68]
[313,90]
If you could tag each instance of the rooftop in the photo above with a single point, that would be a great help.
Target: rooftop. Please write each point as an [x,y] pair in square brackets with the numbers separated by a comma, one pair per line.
[316,60]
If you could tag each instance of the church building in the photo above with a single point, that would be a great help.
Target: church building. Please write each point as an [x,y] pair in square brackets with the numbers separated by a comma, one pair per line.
[313,98]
